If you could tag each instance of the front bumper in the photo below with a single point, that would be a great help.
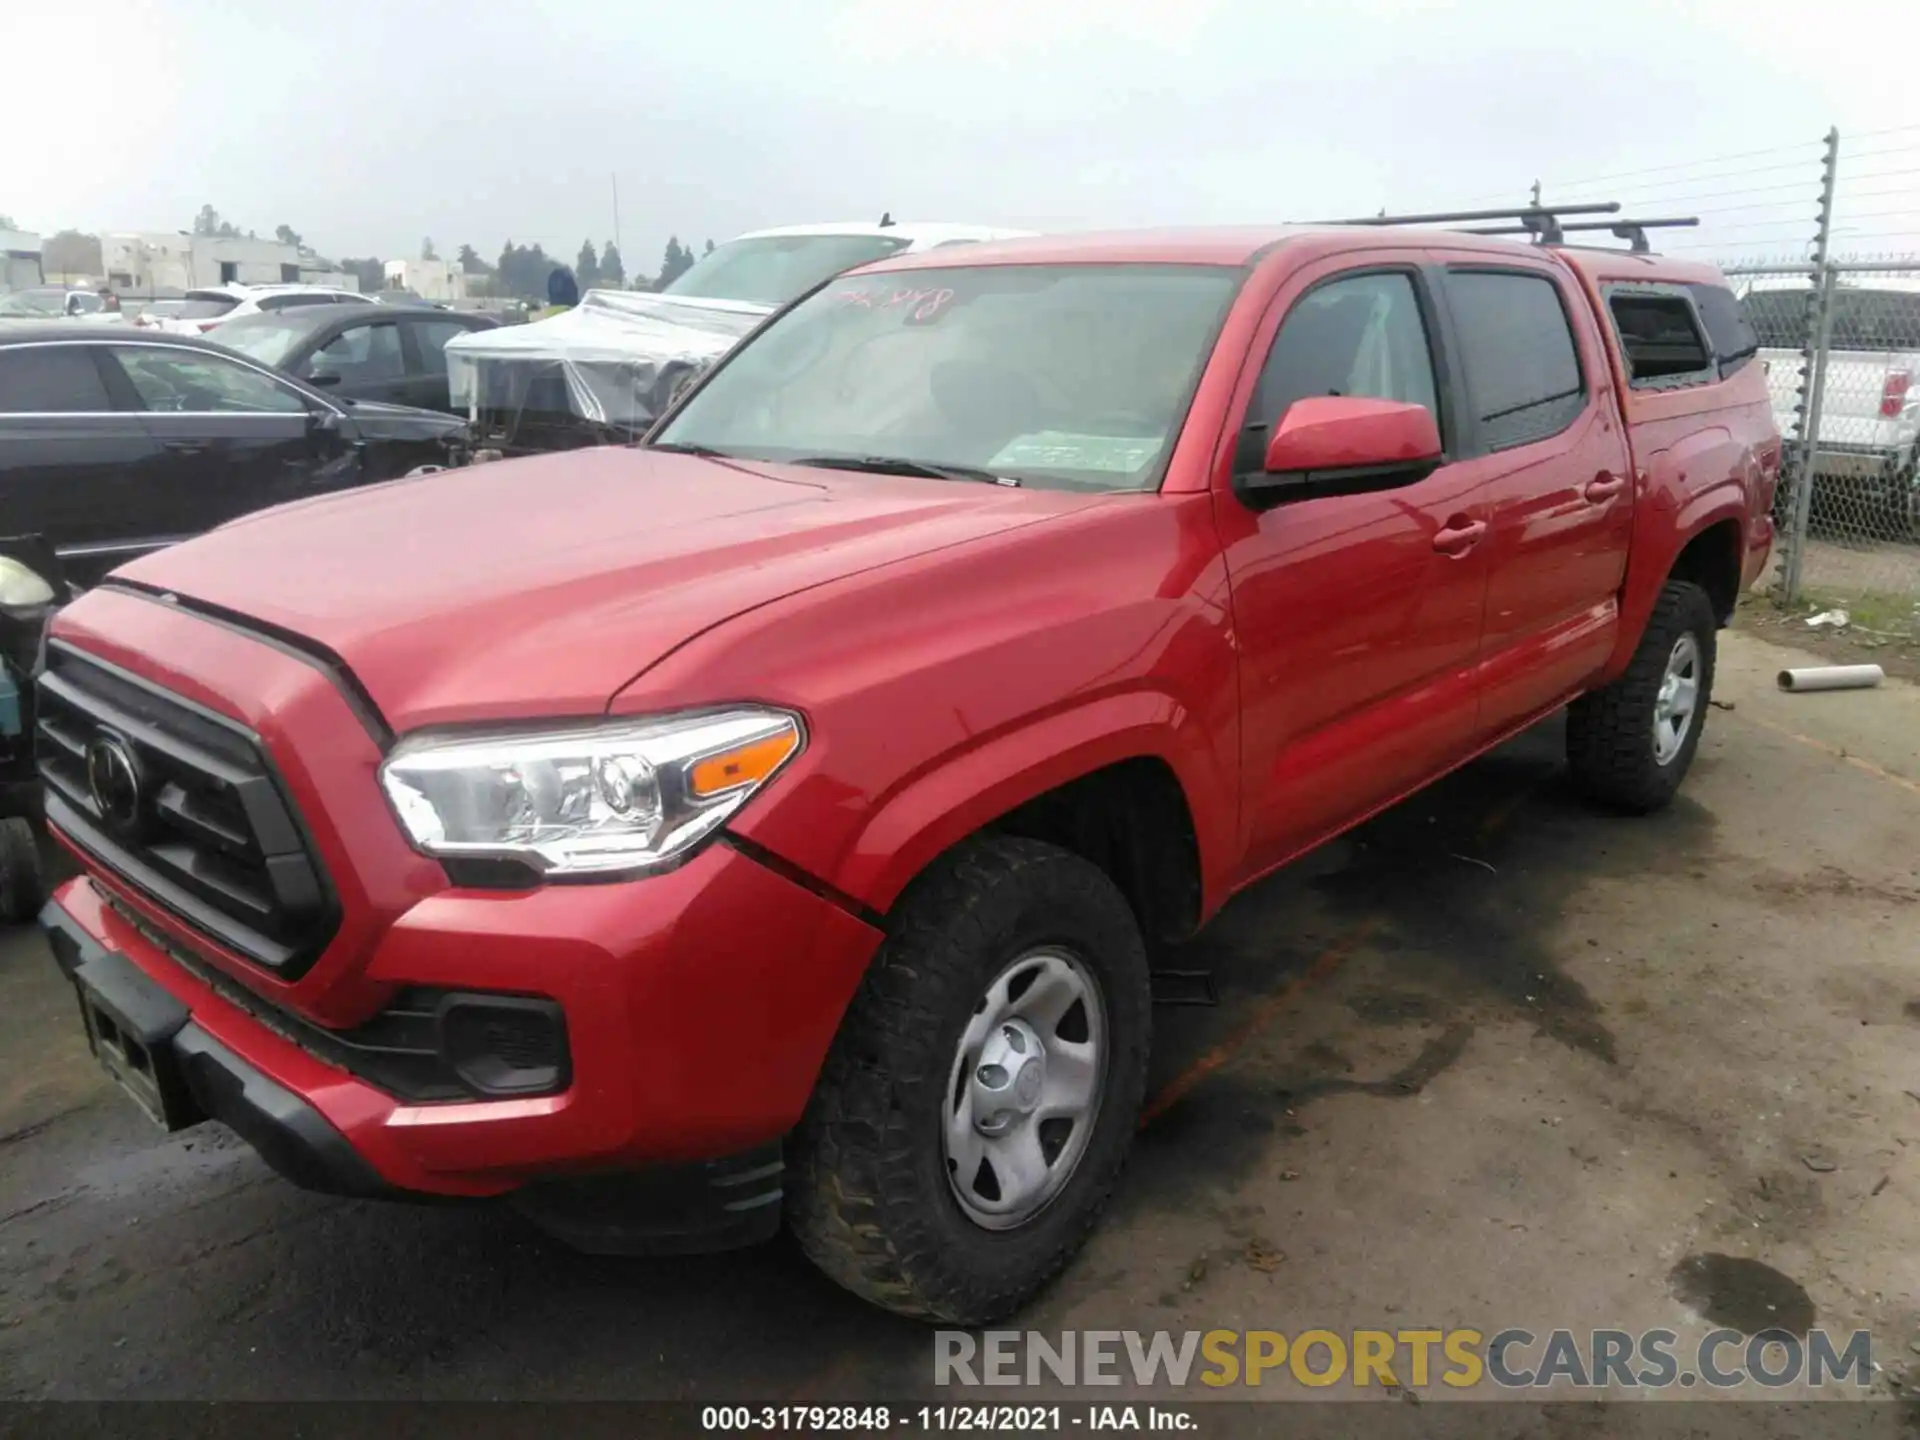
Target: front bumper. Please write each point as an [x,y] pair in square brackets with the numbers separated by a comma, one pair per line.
[699,1005]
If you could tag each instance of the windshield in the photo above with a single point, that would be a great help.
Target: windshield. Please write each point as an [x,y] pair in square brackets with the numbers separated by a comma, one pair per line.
[772,269]
[1862,319]
[206,305]
[266,337]
[1068,376]
[33,302]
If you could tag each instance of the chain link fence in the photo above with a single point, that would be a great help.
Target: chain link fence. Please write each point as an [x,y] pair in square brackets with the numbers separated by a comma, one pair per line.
[1841,343]
[1836,307]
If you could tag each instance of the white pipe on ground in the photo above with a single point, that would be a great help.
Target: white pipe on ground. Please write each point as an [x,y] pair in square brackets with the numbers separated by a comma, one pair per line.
[1832,677]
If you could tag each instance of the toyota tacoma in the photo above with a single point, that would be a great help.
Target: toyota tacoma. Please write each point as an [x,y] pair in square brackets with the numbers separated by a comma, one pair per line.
[771,823]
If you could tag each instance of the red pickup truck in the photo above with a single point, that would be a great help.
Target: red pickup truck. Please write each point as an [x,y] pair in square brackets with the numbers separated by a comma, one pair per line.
[775,820]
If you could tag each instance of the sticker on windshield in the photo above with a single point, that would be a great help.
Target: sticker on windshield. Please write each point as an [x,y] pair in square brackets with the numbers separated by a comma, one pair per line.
[1058,450]
[921,305]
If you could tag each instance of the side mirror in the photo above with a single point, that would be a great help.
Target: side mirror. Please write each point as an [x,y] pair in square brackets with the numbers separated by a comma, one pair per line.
[323,422]
[324,377]
[1342,445]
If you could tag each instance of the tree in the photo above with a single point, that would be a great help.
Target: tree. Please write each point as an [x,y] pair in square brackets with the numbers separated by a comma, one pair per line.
[287,235]
[674,263]
[709,247]
[586,267]
[370,273]
[523,272]
[471,263]
[426,249]
[7,222]
[71,254]
[613,273]
[208,222]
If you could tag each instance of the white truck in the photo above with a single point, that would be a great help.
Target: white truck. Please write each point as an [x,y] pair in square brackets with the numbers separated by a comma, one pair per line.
[1868,441]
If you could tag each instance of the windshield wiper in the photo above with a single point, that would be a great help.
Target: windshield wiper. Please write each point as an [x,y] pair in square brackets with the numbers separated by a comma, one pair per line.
[678,449]
[901,465]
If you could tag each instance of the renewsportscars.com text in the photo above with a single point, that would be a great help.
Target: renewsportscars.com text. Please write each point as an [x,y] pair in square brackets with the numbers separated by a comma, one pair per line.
[1512,1359]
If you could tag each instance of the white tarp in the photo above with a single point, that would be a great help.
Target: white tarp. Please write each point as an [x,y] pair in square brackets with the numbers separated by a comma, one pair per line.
[620,353]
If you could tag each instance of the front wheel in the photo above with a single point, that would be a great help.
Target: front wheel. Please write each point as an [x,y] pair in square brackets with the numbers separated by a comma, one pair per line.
[22,888]
[980,1098]
[1629,744]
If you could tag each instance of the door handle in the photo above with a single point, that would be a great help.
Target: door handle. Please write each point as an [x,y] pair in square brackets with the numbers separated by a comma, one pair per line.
[185,447]
[1604,486]
[1458,536]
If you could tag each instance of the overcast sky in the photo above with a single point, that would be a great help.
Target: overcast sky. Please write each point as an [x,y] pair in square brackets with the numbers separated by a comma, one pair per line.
[369,125]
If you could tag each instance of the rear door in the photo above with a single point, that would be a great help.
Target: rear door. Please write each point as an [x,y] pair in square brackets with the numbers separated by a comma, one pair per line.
[236,438]
[74,466]
[1544,444]
[427,360]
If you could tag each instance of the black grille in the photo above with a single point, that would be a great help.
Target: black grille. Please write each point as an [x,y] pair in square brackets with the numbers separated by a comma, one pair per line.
[202,826]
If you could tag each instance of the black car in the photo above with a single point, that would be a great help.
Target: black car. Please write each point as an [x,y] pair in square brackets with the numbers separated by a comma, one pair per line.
[117,442]
[357,352]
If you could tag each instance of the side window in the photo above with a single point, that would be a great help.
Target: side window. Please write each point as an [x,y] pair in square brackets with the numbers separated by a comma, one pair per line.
[51,380]
[294,301]
[188,381]
[1662,342]
[432,337]
[1359,336]
[1522,365]
[361,352]
[1734,341]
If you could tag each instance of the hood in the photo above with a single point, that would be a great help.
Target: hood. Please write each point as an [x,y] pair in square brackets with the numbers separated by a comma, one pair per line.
[540,587]
[619,353]
[377,420]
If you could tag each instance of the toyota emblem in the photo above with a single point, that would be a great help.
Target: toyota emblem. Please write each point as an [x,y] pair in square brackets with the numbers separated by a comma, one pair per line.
[113,778]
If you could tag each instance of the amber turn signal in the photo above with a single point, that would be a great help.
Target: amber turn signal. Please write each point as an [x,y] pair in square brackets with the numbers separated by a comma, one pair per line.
[747,764]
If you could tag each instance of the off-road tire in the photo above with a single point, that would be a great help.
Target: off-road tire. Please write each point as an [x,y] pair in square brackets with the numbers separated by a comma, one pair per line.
[1610,731]
[868,1195]
[22,890]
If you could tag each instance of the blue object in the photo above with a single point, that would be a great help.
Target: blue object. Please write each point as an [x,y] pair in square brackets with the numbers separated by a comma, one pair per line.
[9,702]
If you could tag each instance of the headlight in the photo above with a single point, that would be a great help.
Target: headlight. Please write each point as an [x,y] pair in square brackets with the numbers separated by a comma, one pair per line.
[626,795]
[21,586]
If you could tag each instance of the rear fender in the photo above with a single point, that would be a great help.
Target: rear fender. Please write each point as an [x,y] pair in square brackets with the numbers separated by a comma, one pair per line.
[1661,532]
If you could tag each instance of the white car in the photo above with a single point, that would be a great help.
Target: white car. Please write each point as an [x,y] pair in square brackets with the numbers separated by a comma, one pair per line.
[205,310]
[601,371]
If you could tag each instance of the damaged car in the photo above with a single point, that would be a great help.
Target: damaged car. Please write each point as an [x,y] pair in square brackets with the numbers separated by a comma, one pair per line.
[600,372]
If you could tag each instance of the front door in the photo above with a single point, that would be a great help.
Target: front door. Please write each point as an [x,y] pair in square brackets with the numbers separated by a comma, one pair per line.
[74,468]
[365,361]
[1356,616]
[236,438]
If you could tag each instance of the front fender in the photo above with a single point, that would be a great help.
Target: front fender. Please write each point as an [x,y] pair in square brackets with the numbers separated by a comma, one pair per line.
[969,789]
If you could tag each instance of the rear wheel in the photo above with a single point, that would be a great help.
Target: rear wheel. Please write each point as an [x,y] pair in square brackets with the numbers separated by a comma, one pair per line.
[1630,744]
[980,1099]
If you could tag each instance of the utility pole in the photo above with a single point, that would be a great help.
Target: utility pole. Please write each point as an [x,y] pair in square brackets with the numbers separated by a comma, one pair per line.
[616,216]
[1813,373]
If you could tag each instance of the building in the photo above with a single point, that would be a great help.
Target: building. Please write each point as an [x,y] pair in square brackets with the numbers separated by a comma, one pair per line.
[151,262]
[19,260]
[429,279]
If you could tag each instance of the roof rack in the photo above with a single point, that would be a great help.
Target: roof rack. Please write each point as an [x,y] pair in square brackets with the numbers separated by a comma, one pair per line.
[1544,222]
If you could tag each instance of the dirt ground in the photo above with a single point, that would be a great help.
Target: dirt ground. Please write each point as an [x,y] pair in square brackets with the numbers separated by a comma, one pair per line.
[1494,1060]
